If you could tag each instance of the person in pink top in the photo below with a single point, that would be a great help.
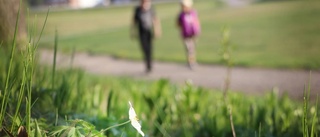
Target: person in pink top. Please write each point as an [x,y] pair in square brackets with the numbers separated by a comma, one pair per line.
[189,26]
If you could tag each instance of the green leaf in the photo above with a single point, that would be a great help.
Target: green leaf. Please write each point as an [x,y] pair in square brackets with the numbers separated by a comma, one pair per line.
[86,125]
[58,130]
[37,132]
[78,133]
[72,132]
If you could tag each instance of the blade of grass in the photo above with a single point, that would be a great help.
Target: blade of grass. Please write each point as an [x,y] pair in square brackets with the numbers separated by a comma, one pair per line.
[30,61]
[313,126]
[306,99]
[260,129]
[43,26]
[33,31]
[57,117]
[54,57]
[72,57]
[304,113]
[21,94]
[110,97]
[30,26]
[163,131]
[231,122]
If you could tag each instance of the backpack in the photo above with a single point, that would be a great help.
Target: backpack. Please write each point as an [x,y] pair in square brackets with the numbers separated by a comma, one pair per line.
[189,24]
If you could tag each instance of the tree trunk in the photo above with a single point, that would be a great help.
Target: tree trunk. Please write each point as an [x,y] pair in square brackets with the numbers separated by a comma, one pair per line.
[8,17]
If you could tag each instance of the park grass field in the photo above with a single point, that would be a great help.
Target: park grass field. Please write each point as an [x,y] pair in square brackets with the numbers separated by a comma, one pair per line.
[270,35]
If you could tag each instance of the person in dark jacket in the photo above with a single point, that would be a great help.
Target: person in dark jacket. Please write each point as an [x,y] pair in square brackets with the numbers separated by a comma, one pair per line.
[146,26]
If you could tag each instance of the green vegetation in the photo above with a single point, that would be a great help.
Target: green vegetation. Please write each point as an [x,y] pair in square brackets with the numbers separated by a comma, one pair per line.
[164,109]
[41,101]
[274,34]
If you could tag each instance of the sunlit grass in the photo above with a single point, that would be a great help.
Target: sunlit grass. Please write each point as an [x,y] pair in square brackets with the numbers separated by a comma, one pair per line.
[274,34]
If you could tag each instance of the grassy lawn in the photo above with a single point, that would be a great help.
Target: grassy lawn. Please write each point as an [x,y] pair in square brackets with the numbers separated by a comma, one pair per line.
[273,35]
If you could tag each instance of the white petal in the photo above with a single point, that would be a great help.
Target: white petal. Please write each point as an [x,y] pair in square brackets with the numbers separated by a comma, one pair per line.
[134,121]
[132,113]
[137,126]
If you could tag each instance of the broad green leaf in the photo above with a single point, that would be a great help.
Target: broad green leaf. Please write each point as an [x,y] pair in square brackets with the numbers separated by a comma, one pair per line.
[72,132]
[37,132]
[58,130]
[78,133]
[86,125]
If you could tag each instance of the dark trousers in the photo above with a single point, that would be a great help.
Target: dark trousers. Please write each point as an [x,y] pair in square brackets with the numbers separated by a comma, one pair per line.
[146,47]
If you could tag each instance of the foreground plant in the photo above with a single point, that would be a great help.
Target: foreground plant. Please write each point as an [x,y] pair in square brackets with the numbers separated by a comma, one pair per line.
[134,120]
[82,128]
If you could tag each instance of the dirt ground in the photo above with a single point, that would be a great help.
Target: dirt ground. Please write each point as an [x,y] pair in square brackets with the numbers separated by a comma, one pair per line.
[255,81]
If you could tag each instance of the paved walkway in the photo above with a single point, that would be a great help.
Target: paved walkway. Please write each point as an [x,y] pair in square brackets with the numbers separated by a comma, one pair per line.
[248,80]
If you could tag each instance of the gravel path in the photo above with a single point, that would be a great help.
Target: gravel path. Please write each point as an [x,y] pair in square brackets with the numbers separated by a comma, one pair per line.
[255,81]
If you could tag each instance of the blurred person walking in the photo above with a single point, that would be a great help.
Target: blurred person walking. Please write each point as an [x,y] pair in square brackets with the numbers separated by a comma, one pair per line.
[146,25]
[189,26]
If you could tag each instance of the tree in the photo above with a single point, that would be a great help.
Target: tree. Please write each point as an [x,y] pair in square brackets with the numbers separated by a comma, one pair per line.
[8,16]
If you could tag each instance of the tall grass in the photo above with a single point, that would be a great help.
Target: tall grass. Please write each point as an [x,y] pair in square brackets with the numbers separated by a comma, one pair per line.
[307,128]
[226,58]
[6,91]
[164,109]
[22,92]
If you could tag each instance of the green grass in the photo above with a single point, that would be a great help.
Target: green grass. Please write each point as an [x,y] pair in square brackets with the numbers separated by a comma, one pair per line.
[163,108]
[274,34]
[42,101]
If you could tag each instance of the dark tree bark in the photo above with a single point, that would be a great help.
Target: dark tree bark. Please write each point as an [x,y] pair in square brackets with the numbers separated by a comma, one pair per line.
[8,18]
